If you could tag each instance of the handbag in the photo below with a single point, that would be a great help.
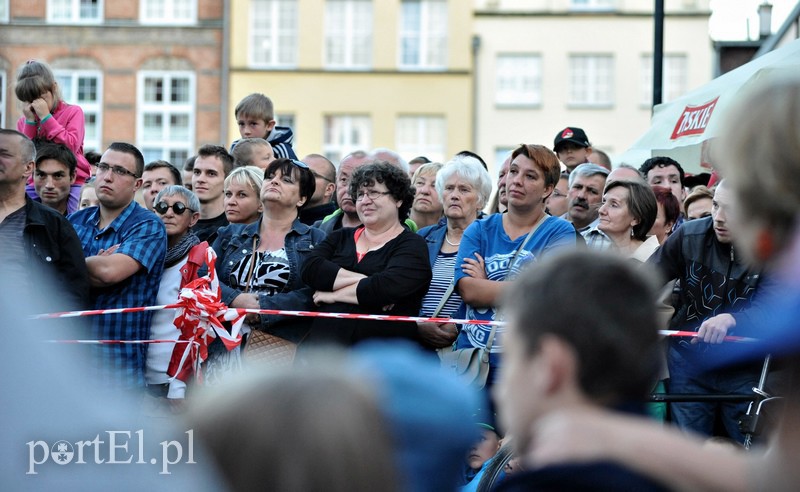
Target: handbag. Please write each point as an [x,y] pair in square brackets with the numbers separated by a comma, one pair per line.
[263,347]
[471,365]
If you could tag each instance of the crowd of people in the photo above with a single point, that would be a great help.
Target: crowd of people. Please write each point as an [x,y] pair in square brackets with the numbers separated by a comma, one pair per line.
[582,264]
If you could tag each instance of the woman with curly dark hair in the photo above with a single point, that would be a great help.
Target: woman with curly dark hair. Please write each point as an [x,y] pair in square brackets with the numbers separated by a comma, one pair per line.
[380,267]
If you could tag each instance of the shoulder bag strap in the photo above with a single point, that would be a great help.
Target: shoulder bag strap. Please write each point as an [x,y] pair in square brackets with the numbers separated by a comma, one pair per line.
[525,243]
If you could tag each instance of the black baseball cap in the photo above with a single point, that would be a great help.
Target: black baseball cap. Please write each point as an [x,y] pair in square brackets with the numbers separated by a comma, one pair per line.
[571,134]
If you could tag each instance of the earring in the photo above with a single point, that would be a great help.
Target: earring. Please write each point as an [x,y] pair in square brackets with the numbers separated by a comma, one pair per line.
[631,231]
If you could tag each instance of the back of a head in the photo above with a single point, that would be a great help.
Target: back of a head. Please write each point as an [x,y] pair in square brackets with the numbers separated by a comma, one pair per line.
[311,429]
[610,322]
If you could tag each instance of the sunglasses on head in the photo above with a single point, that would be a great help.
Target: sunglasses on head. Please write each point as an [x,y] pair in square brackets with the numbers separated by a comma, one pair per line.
[299,164]
[177,207]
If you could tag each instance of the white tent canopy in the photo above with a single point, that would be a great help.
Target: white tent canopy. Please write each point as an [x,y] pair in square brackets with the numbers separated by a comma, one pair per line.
[682,128]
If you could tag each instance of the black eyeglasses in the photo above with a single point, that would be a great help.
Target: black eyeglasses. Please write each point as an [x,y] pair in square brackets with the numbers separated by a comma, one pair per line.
[102,168]
[178,207]
[318,175]
[371,194]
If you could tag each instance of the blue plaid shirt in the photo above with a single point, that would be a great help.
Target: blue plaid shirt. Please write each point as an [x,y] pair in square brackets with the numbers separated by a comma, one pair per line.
[140,235]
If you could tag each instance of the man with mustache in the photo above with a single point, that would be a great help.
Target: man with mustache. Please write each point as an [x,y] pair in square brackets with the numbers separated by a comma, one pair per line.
[585,195]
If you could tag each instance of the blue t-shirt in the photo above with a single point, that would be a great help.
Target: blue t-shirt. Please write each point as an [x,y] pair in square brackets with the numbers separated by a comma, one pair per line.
[488,238]
[142,236]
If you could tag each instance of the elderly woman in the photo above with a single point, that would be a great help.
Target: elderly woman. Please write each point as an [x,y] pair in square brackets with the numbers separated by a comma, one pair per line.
[494,249]
[464,186]
[242,189]
[669,210]
[426,210]
[259,264]
[628,212]
[380,267]
[179,209]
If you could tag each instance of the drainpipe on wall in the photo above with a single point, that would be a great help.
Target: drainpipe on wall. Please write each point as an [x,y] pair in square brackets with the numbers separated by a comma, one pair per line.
[224,72]
[476,47]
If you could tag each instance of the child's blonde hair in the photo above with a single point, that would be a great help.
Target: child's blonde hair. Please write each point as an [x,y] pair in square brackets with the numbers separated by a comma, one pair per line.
[34,79]
[243,151]
[256,106]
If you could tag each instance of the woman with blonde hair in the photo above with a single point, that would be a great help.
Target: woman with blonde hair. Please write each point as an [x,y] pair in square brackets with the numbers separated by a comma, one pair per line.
[242,189]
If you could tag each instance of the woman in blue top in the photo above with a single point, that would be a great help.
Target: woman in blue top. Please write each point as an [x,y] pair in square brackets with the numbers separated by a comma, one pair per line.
[463,186]
[493,250]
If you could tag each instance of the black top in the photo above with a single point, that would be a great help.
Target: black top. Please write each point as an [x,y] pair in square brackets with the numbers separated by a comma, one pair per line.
[398,274]
[206,229]
[600,476]
[310,215]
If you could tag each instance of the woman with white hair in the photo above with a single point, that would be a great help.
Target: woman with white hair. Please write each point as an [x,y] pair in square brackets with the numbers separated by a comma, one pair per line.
[243,195]
[464,187]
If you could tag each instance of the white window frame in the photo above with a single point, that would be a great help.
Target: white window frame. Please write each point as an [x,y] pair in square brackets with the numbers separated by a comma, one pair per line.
[169,18]
[352,34]
[166,109]
[428,33]
[75,11]
[274,31]
[347,125]
[3,102]
[592,5]
[424,141]
[675,77]
[515,71]
[597,93]
[88,107]
[4,8]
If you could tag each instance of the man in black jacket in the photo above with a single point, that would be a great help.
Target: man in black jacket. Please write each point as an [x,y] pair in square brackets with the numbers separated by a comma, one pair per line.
[717,292]
[39,245]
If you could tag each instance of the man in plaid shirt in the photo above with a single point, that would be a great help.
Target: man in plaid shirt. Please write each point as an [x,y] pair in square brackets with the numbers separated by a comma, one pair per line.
[124,245]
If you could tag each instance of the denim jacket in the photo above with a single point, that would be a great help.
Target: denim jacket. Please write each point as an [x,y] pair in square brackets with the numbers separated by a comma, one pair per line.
[235,242]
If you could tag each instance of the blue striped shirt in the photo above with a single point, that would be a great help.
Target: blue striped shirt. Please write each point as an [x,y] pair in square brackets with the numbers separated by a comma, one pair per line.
[140,235]
[443,271]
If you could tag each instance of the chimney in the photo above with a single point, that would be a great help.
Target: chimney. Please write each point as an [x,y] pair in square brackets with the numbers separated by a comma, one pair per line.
[764,20]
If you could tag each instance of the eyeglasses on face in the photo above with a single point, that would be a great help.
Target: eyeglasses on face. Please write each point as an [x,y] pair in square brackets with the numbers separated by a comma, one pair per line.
[371,194]
[102,168]
[178,207]
[318,175]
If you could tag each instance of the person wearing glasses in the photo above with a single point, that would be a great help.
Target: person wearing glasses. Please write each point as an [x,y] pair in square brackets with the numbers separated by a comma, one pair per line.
[259,264]
[178,208]
[321,204]
[558,203]
[124,245]
[379,267]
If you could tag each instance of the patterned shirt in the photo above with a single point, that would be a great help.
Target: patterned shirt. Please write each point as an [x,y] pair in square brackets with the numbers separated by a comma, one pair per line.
[140,235]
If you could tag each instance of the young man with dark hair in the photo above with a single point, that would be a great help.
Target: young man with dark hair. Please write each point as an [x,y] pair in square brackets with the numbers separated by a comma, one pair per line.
[596,355]
[124,246]
[212,166]
[158,175]
[54,176]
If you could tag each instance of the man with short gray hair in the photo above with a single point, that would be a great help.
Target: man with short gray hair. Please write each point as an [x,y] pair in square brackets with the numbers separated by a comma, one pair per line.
[586,183]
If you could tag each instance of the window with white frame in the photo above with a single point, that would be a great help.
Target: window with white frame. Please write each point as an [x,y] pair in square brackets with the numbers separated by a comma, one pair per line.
[165,119]
[3,10]
[2,99]
[674,78]
[348,34]
[591,5]
[168,12]
[591,80]
[85,88]
[75,11]
[345,134]
[423,34]
[422,135]
[519,80]
[273,33]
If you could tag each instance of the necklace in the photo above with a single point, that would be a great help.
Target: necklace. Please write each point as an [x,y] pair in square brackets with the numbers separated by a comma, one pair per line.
[448,240]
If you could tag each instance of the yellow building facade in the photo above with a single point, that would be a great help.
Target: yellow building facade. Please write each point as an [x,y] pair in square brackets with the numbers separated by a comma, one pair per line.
[358,74]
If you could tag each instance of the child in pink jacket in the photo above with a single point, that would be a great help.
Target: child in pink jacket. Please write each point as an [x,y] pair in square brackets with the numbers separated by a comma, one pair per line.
[47,117]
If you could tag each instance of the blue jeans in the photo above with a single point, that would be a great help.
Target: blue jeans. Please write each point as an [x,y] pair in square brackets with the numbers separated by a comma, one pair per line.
[685,376]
